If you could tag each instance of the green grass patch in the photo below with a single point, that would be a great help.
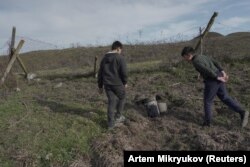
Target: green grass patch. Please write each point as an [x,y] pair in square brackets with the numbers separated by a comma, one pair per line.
[144,66]
[54,133]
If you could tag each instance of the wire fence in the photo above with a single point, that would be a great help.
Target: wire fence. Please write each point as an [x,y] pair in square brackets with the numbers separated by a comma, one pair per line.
[60,60]
[32,44]
[159,37]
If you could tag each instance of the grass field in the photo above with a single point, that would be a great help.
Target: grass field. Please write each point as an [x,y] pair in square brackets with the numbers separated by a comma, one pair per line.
[59,119]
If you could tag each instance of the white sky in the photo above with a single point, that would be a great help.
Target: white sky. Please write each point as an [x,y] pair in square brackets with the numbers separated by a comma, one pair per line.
[100,22]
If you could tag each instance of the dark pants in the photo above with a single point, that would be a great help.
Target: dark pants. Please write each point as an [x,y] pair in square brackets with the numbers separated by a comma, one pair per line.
[213,88]
[116,101]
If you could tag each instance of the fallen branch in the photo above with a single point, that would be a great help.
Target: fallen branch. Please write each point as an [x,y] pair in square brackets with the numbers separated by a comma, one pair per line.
[175,84]
[20,120]
[25,106]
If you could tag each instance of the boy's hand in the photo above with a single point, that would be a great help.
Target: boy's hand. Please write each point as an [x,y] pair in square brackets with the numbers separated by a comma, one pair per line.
[222,79]
[226,78]
[126,85]
[223,73]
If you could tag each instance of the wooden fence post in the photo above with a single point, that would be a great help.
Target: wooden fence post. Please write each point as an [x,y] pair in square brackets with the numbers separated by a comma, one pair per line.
[209,25]
[202,35]
[12,50]
[12,43]
[11,62]
[23,66]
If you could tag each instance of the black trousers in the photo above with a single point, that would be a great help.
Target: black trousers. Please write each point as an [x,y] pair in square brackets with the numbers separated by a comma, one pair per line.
[116,101]
[216,88]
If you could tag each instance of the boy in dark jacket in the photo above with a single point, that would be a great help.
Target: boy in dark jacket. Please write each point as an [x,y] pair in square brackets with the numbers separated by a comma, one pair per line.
[112,76]
[214,80]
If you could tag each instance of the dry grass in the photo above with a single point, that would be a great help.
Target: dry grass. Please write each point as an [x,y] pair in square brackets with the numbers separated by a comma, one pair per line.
[45,125]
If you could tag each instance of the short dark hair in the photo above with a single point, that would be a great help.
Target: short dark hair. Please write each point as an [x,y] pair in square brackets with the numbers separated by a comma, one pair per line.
[116,45]
[186,50]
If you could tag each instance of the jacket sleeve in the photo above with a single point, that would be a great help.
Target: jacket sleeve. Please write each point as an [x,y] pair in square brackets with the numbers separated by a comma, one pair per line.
[100,76]
[217,65]
[123,71]
[204,70]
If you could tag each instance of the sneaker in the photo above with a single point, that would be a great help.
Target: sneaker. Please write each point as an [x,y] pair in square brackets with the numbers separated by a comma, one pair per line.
[244,119]
[206,124]
[121,119]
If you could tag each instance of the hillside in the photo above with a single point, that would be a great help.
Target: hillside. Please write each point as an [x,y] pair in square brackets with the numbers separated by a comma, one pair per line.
[81,57]
[59,119]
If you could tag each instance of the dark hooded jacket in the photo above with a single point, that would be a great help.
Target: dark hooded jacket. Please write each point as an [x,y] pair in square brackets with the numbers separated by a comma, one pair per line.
[113,70]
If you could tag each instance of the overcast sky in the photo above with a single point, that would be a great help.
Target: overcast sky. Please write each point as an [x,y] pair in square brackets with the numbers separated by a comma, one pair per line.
[100,22]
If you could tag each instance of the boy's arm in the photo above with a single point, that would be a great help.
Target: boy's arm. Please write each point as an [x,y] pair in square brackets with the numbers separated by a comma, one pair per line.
[217,64]
[204,70]
[225,76]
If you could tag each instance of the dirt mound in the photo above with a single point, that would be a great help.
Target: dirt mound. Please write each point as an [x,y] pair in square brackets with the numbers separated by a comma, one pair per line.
[108,149]
[179,129]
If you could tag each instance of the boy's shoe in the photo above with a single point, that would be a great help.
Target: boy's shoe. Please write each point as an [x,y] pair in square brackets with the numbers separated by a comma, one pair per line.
[206,124]
[121,119]
[244,119]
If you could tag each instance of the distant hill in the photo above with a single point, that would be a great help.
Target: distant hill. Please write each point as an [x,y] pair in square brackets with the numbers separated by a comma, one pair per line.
[211,35]
[214,35]
[239,34]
